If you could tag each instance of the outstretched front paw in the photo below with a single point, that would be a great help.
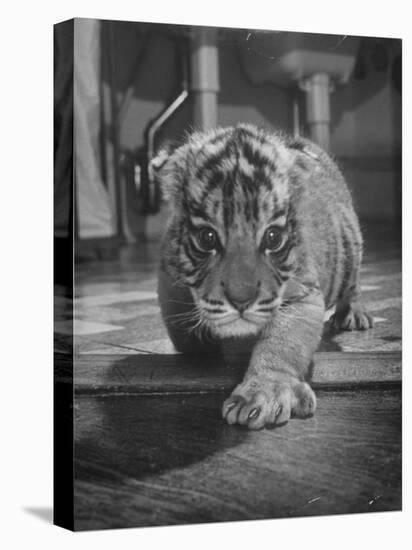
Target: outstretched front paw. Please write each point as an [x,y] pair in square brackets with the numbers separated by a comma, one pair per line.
[257,403]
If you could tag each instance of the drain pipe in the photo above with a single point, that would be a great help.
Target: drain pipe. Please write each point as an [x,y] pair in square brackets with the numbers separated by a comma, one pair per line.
[148,185]
[318,88]
[204,77]
[158,123]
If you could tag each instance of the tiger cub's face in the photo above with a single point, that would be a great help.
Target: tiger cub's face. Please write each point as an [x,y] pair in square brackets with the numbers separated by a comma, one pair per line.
[231,235]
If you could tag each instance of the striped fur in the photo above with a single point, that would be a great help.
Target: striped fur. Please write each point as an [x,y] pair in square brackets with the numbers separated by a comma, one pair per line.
[258,221]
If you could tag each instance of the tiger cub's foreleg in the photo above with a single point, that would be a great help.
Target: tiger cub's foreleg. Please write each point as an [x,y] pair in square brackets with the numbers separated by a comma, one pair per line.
[274,387]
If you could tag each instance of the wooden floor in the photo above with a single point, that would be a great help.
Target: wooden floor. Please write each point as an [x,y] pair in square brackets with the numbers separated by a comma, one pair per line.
[156,460]
[151,448]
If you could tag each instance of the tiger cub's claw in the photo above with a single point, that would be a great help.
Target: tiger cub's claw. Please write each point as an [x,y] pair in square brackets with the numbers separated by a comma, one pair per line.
[259,403]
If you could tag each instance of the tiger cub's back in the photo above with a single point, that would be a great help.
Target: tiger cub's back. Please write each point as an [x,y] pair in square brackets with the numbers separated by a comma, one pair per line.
[329,222]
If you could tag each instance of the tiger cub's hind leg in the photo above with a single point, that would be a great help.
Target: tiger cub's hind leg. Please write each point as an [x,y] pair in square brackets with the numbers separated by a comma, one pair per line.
[350,313]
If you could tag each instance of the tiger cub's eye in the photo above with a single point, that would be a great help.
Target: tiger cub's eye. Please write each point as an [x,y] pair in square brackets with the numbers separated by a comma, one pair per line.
[273,239]
[207,238]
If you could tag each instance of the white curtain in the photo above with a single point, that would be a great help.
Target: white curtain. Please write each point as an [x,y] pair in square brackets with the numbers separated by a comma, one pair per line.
[95,217]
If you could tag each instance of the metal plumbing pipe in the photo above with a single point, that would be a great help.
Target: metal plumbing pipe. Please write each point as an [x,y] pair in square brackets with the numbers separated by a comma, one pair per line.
[204,77]
[152,197]
[170,109]
[318,88]
[158,123]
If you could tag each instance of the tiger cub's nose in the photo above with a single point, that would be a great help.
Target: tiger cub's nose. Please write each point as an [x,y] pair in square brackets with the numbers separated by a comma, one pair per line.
[241,297]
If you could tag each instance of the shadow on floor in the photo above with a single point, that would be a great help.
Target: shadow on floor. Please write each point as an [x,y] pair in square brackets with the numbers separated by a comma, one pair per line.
[43,513]
[140,435]
[328,342]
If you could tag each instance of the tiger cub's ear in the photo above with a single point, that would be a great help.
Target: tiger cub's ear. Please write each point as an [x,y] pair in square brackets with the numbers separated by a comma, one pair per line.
[161,157]
[162,169]
[304,146]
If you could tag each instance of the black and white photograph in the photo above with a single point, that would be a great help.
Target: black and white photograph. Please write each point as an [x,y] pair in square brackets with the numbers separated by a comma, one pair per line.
[227,273]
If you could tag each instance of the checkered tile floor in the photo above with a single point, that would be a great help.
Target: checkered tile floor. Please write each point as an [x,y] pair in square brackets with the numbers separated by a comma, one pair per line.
[116,309]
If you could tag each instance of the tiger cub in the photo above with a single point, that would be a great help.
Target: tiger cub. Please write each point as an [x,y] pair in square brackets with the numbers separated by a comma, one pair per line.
[262,239]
